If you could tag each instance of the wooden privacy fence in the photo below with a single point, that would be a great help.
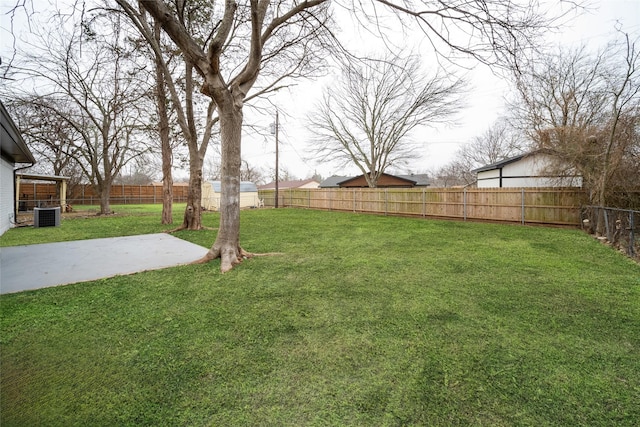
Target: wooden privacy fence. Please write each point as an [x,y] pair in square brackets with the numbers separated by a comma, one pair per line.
[33,194]
[516,205]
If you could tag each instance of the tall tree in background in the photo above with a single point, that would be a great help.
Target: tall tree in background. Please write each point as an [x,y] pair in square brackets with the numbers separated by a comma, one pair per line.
[181,88]
[275,68]
[164,131]
[230,63]
[584,108]
[498,142]
[367,118]
[53,142]
[492,31]
[87,82]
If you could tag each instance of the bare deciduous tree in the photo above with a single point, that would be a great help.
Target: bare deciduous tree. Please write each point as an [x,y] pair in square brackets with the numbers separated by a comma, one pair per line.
[86,81]
[367,118]
[282,60]
[230,63]
[294,32]
[164,131]
[499,142]
[584,108]
[195,122]
[453,174]
[53,142]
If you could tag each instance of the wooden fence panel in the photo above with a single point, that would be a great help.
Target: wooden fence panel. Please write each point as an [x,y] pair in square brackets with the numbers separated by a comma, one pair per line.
[523,205]
[34,193]
[515,205]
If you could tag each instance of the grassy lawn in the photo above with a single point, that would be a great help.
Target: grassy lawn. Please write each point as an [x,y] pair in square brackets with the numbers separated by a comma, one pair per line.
[365,320]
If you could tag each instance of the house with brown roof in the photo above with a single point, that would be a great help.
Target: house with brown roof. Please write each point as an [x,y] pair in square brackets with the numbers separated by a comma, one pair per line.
[385,181]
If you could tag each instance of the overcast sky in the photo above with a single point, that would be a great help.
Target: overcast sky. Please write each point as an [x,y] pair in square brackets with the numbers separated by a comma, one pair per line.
[485,100]
[485,103]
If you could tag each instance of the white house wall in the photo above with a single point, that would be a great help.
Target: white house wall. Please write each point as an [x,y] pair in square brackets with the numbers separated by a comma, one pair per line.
[7,201]
[211,200]
[530,171]
[247,200]
[310,185]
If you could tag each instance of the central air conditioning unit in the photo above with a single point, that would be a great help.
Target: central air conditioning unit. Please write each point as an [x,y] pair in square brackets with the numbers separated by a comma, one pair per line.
[46,217]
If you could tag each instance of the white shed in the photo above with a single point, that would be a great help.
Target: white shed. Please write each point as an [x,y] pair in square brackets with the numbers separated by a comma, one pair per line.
[211,195]
[13,150]
[526,170]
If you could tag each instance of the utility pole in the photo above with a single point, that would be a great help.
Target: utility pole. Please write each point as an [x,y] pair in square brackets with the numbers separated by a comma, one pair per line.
[275,131]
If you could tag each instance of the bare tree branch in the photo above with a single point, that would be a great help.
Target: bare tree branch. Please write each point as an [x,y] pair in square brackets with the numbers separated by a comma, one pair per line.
[366,120]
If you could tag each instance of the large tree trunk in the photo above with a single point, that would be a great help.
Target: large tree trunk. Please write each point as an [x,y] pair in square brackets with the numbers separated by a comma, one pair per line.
[167,180]
[227,244]
[165,141]
[105,193]
[193,212]
[167,154]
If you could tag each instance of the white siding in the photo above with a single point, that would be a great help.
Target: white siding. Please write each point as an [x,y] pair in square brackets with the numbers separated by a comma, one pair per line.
[313,184]
[487,179]
[7,202]
[530,171]
[211,195]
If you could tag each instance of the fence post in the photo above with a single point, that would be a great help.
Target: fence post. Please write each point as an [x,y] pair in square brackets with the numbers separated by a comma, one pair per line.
[632,226]
[464,203]
[523,209]
[330,199]
[606,224]
[424,202]
[386,201]
[353,192]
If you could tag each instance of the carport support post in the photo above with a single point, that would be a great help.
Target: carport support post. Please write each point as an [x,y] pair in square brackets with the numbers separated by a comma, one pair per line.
[63,195]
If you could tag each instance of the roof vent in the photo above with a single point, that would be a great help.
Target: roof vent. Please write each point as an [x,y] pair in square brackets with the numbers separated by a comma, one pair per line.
[46,217]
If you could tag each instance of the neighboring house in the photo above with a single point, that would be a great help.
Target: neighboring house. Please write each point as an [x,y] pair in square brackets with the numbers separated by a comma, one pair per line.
[286,185]
[526,170]
[421,179]
[333,181]
[385,181]
[13,150]
[211,195]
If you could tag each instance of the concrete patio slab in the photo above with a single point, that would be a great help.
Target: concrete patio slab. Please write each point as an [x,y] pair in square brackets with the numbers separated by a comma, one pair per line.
[52,264]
